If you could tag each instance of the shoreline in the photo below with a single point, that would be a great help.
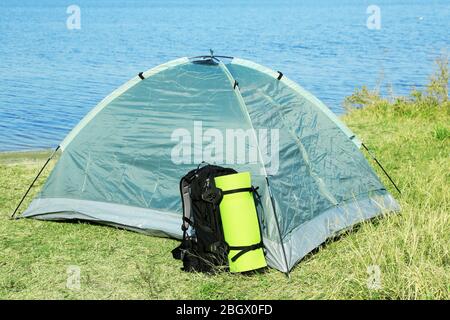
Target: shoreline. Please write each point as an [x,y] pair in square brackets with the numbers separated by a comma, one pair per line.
[8,157]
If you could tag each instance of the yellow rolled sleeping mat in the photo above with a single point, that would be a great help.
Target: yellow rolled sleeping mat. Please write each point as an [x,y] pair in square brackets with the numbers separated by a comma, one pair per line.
[240,222]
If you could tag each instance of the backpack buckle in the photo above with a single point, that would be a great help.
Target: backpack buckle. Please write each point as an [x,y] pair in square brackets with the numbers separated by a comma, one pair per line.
[213,196]
[216,246]
[211,193]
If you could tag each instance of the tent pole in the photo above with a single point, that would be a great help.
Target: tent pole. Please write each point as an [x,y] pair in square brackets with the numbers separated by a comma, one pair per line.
[32,183]
[379,164]
[244,106]
[278,228]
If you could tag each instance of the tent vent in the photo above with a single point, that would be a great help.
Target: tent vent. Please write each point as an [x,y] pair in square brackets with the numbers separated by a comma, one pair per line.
[206,61]
[280,75]
[141,75]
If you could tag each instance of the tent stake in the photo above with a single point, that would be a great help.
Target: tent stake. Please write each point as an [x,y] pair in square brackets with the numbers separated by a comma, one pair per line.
[278,228]
[32,183]
[379,164]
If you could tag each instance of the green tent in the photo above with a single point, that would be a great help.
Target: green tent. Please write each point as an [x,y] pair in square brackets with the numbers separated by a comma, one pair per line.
[121,165]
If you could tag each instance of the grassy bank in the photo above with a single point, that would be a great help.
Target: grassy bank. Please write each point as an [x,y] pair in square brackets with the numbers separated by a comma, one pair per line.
[410,135]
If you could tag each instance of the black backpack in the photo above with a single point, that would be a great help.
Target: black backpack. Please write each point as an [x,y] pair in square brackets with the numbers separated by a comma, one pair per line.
[203,248]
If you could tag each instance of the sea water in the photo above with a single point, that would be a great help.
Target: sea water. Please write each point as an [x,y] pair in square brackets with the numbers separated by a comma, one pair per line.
[53,71]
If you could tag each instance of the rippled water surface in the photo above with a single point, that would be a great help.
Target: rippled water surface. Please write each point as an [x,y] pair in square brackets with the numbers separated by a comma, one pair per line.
[50,77]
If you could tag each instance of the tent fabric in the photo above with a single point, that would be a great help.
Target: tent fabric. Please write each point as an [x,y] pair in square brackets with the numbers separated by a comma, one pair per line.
[122,163]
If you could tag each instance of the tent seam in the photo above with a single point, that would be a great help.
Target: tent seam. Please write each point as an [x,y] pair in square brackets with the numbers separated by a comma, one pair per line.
[244,106]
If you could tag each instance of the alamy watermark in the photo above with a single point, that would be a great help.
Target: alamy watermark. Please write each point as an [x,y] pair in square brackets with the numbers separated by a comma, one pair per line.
[374,279]
[73,281]
[229,146]
[73,21]
[374,20]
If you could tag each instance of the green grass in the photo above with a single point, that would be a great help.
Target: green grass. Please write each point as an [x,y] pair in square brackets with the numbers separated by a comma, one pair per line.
[412,249]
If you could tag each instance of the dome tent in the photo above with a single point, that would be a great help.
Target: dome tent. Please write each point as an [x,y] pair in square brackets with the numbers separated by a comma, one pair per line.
[121,165]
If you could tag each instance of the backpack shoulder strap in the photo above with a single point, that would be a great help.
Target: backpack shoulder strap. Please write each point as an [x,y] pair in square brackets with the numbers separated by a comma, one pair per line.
[187,205]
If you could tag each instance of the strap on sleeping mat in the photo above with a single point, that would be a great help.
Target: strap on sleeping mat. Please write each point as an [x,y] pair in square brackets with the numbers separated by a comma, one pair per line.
[250,189]
[244,249]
